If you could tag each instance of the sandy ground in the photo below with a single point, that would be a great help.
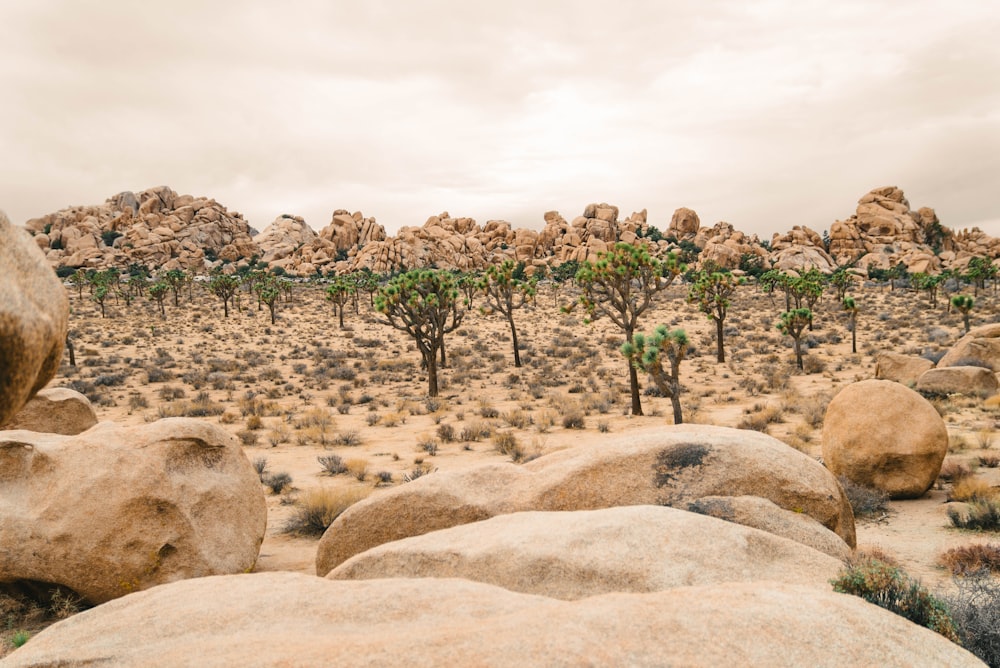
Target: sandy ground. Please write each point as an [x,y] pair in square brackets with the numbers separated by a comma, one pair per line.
[319,383]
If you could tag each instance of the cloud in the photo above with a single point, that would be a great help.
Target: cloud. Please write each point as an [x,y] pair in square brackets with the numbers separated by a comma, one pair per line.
[765,114]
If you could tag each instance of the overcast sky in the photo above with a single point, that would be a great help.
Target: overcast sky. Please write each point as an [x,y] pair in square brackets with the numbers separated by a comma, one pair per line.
[766,114]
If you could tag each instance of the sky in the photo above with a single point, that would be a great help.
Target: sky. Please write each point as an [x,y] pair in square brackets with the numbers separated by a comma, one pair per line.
[765,114]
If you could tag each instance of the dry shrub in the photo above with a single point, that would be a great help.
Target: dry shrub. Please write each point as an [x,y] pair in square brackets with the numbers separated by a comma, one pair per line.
[953,470]
[348,438]
[315,417]
[573,420]
[394,419]
[972,559]
[970,488]
[976,610]
[446,433]
[865,501]
[277,434]
[984,439]
[254,422]
[316,510]
[475,431]
[759,416]
[983,515]
[357,467]
[505,442]
[989,461]
[518,419]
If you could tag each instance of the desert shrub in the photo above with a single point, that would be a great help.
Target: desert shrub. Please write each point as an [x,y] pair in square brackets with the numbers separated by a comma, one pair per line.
[865,501]
[972,559]
[518,419]
[383,478]
[979,516]
[279,433]
[984,439]
[417,472]
[260,466]
[603,426]
[889,587]
[573,420]
[278,482]
[446,433]
[110,379]
[488,411]
[372,419]
[813,364]
[475,431]
[953,470]
[759,416]
[254,422]
[428,444]
[136,401]
[989,461]
[976,610]
[158,375]
[332,464]
[505,442]
[971,489]
[357,468]
[348,438]
[317,509]
[169,393]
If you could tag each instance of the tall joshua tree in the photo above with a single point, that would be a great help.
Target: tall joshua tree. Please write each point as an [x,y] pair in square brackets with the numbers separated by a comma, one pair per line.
[711,291]
[425,304]
[224,287]
[506,294]
[647,353]
[340,292]
[964,303]
[793,323]
[622,285]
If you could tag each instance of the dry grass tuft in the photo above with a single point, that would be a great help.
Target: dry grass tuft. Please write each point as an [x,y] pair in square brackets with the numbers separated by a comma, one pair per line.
[316,510]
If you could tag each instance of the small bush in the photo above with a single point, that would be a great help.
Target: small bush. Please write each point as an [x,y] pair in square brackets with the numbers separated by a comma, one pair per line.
[19,638]
[953,471]
[260,466]
[505,442]
[980,516]
[383,478]
[476,431]
[332,464]
[865,501]
[972,559]
[971,489]
[573,420]
[428,445]
[318,508]
[976,611]
[278,482]
[446,433]
[417,472]
[348,438]
[247,438]
[889,587]
[357,468]
[989,461]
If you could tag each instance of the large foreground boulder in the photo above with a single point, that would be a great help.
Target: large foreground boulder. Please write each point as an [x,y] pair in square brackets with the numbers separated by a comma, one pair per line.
[33,319]
[667,466]
[117,509]
[883,435]
[968,380]
[57,410]
[582,553]
[980,347]
[272,619]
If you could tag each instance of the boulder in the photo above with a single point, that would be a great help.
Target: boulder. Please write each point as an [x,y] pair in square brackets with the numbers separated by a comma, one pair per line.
[57,410]
[289,618]
[753,511]
[118,509]
[968,380]
[571,555]
[684,223]
[33,318]
[980,347]
[901,368]
[883,435]
[667,466]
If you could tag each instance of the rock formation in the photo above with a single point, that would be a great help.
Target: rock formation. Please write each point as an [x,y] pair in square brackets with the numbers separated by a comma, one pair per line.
[972,381]
[584,553]
[288,618]
[670,466]
[883,435]
[33,319]
[901,368]
[58,410]
[117,509]
[156,228]
[980,347]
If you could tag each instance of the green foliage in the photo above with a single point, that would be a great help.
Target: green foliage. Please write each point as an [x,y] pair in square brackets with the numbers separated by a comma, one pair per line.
[981,515]
[565,272]
[752,265]
[928,283]
[19,638]
[842,281]
[793,323]
[712,292]
[224,287]
[651,233]
[109,236]
[505,292]
[964,304]
[889,587]
[647,353]
[340,292]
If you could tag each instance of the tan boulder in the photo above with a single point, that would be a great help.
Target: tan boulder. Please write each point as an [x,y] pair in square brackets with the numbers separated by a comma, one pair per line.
[165,501]
[272,619]
[883,435]
[758,513]
[980,347]
[58,410]
[670,466]
[903,369]
[33,318]
[969,380]
[571,555]
[683,223]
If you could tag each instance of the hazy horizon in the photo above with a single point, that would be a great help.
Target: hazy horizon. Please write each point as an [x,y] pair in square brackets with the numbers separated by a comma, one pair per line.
[765,115]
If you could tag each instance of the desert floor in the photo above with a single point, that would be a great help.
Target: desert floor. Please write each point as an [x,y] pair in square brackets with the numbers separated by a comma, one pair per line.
[303,388]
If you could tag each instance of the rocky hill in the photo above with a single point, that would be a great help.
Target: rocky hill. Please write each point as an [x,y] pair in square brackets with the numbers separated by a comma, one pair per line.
[161,229]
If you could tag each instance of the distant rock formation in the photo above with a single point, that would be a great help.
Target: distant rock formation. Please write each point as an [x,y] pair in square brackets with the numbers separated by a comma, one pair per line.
[157,228]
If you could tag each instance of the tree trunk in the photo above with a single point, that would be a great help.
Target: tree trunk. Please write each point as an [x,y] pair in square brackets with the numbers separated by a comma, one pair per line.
[798,353]
[340,311]
[675,401]
[513,335]
[854,336]
[720,352]
[633,381]
[225,308]
[432,372]
[271,307]
[443,363]
[72,353]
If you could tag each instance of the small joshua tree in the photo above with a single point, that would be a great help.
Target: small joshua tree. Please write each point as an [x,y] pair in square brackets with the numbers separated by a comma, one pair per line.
[175,279]
[100,295]
[425,304]
[793,323]
[647,353]
[224,287]
[841,282]
[851,308]
[929,284]
[506,293]
[268,292]
[340,292]
[621,285]
[711,291]
[158,293]
[964,303]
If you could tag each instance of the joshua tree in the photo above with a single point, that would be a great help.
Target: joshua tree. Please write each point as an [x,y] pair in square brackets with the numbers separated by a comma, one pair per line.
[175,279]
[979,271]
[506,293]
[621,285]
[793,323]
[224,287]
[841,282]
[268,292]
[100,294]
[711,291]
[647,354]
[339,292]
[424,303]
[929,284]
[79,279]
[851,308]
[964,303]
[806,291]
[158,293]
[367,282]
